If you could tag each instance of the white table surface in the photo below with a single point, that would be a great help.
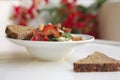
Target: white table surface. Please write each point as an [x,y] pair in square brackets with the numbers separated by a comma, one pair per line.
[17,64]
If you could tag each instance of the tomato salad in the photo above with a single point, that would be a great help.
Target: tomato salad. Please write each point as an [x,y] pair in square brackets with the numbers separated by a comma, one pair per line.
[51,32]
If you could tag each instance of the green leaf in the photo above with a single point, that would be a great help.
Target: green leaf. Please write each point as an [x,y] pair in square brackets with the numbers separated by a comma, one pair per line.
[67,35]
[81,8]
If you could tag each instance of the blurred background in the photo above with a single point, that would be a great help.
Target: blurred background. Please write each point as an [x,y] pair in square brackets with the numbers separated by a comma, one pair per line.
[99,18]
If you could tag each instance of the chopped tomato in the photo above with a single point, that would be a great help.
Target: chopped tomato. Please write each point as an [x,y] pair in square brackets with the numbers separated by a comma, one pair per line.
[50,29]
[37,36]
[45,38]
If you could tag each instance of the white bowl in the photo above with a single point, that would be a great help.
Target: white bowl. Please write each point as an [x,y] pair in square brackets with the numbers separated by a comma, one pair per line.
[52,51]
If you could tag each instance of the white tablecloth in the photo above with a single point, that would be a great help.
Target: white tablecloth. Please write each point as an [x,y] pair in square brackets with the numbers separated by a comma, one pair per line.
[17,64]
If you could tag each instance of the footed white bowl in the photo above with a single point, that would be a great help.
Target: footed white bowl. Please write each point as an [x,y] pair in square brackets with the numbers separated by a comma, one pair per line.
[52,51]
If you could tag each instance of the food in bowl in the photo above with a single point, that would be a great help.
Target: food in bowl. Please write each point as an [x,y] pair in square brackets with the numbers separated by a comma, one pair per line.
[48,32]
[49,42]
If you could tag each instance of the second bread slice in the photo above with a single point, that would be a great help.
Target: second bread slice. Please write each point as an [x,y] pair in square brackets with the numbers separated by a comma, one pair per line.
[97,62]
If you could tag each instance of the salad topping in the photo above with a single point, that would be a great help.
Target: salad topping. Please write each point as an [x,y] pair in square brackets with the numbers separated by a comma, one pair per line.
[51,32]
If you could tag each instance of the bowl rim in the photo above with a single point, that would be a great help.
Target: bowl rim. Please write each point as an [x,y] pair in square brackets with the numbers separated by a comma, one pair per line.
[87,38]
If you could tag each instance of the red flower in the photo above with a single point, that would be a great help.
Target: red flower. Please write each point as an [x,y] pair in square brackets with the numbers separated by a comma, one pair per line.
[22,22]
[64,1]
[88,17]
[80,14]
[72,17]
[79,25]
[68,24]
[70,14]
[16,11]
[71,7]
[22,15]
[30,11]
[95,16]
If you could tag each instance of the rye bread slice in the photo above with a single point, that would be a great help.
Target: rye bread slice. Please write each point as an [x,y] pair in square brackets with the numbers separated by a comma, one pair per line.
[17,31]
[97,62]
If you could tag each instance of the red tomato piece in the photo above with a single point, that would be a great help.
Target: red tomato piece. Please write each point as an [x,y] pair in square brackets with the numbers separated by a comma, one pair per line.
[49,29]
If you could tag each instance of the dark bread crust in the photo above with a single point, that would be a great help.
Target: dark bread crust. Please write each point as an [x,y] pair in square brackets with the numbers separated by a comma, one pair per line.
[106,67]
[11,34]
